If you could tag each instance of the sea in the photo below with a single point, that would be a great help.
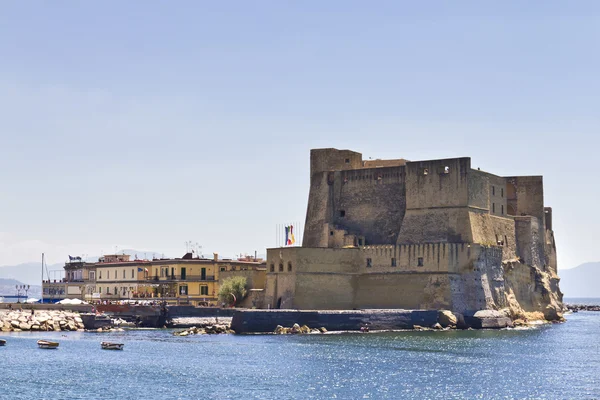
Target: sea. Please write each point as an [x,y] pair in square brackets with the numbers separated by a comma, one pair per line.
[549,361]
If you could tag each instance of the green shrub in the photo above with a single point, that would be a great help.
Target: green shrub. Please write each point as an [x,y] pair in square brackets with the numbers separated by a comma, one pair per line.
[235,286]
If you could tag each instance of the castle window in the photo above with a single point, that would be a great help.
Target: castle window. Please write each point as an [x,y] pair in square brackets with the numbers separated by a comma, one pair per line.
[100,274]
[123,274]
[342,213]
[289,267]
[222,269]
[393,262]
[501,192]
[204,290]
[505,240]
[443,170]
[420,262]
[133,273]
[493,190]
[281,267]
[272,268]
[330,233]
[502,209]
[360,242]
[347,161]
[493,207]
[369,263]
[425,171]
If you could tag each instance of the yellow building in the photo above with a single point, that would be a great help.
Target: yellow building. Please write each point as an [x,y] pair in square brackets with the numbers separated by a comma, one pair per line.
[186,280]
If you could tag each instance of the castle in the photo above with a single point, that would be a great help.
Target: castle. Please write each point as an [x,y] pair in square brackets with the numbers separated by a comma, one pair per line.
[434,234]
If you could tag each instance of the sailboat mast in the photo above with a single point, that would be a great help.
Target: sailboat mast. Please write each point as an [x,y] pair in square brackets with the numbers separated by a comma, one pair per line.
[42,278]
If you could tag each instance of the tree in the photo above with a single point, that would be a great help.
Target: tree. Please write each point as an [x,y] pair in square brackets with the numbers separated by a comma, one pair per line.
[233,290]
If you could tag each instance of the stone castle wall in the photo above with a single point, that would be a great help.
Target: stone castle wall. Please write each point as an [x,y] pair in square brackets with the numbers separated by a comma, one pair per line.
[426,234]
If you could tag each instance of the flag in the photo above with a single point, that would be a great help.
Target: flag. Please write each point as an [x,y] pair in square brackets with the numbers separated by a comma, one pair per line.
[140,270]
[146,269]
[289,235]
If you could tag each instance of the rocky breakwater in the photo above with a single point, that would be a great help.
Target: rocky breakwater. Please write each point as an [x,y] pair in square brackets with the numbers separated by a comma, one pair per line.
[208,329]
[50,320]
[582,307]
[297,329]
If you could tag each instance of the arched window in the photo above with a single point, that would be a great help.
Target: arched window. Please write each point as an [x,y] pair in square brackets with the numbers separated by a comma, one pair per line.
[281,267]
[272,267]
[289,266]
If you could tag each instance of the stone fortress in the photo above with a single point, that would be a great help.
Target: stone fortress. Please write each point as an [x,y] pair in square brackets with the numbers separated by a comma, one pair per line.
[434,234]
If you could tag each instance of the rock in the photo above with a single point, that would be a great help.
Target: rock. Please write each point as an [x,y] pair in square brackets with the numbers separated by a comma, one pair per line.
[552,314]
[304,329]
[447,318]
[35,327]
[184,333]
[489,314]
[71,326]
[295,328]
[24,326]
[436,326]
[322,329]
[14,323]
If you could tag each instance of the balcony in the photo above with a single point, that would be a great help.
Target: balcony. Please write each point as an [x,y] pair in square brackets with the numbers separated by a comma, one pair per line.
[185,278]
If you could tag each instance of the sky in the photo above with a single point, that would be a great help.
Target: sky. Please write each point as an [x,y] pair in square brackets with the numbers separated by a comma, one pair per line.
[145,124]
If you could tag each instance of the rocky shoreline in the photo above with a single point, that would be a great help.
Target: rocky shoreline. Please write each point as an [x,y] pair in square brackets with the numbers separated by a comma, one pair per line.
[47,320]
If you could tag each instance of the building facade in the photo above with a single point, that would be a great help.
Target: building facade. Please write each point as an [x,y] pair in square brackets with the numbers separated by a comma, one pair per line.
[187,280]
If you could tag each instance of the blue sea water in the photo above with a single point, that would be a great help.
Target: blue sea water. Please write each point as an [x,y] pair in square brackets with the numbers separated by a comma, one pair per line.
[558,361]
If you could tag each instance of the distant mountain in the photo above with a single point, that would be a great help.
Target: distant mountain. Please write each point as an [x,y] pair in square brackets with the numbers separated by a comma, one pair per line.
[7,288]
[581,281]
[29,273]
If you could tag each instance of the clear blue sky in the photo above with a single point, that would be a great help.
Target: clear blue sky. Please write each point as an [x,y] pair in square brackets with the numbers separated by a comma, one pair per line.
[143,124]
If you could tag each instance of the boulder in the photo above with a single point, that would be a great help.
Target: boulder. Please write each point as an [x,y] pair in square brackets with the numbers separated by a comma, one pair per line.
[24,326]
[279,330]
[552,314]
[304,329]
[447,318]
[437,326]
[295,328]
[15,323]
[35,327]
[323,329]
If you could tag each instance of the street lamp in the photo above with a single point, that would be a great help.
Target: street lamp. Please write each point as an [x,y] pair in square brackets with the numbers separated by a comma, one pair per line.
[21,288]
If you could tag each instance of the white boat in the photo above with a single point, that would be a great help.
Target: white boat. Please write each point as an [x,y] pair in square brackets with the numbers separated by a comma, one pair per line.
[2,342]
[112,346]
[46,344]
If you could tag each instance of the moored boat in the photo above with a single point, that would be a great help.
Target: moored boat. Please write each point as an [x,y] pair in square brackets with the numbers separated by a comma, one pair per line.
[46,344]
[112,346]
[2,342]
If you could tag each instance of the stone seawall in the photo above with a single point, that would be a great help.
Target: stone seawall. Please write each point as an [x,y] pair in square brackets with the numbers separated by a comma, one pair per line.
[261,321]
[266,321]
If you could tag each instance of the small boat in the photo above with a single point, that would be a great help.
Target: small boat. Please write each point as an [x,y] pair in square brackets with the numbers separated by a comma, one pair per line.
[2,342]
[112,346]
[46,344]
